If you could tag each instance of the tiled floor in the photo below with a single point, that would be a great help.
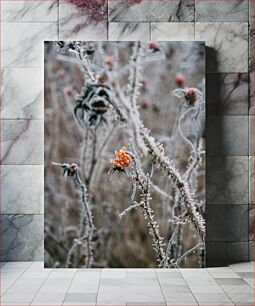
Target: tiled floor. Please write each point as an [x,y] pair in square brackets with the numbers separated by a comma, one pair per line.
[27,283]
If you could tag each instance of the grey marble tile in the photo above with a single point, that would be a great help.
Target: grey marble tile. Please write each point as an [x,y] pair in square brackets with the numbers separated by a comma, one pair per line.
[251,93]
[234,10]
[215,252]
[227,180]
[237,252]
[251,10]
[251,135]
[227,43]
[251,250]
[22,189]
[22,237]
[74,24]
[22,93]
[227,135]
[151,10]
[251,67]
[251,222]
[23,43]
[227,223]
[251,180]
[23,10]
[129,31]
[172,31]
[22,142]
[227,93]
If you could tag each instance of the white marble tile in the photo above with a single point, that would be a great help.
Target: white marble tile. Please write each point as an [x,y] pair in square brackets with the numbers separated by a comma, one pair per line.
[23,43]
[129,31]
[22,237]
[22,189]
[32,10]
[179,31]
[234,10]
[149,10]
[22,142]
[75,25]
[22,93]
[228,43]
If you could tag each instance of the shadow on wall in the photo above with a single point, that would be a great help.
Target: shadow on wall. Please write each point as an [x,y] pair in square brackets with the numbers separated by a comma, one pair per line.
[225,223]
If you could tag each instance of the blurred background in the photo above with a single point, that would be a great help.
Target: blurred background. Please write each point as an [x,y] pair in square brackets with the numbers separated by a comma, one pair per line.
[126,242]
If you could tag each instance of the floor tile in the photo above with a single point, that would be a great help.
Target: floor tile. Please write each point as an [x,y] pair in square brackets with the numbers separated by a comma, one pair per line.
[22,142]
[243,267]
[49,299]
[222,272]
[129,31]
[151,10]
[222,39]
[22,93]
[213,299]
[234,10]
[81,297]
[180,299]
[242,299]
[172,31]
[113,273]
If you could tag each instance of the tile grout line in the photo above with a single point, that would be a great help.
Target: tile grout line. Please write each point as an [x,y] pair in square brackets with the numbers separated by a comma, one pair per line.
[16,279]
[40,286]
[160,286]
[69,286]
[222,288]
[98,288]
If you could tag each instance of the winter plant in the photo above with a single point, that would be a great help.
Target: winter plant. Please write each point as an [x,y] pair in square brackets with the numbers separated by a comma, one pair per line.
[161,175]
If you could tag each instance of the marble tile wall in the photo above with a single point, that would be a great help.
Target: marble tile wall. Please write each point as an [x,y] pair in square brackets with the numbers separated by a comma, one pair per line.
[228,30]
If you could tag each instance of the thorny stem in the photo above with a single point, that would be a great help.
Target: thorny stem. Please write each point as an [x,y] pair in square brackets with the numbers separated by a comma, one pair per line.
[147,144]
[189,252]
[85,238]
[169,245]
[134,77]
[89,228]
[85,61]
[144,184]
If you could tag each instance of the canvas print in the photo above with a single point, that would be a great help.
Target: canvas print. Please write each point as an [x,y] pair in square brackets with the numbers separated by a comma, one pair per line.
[124,154]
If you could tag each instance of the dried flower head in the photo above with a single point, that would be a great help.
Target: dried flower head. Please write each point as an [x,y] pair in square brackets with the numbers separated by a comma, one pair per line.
[68,90]
[68,169]
[191,96]
[122,161]
[154,46]
[109,61]
[180,80]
